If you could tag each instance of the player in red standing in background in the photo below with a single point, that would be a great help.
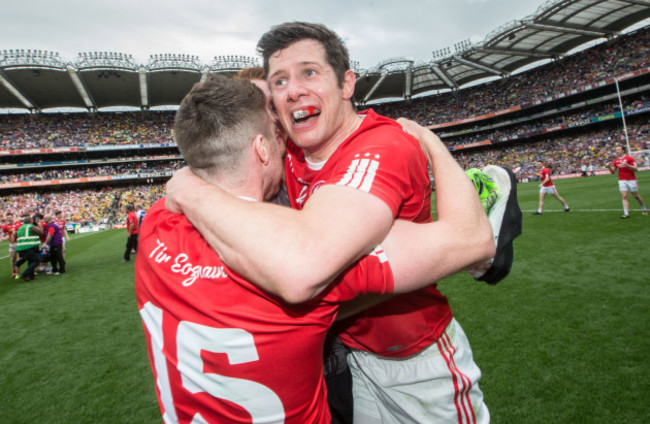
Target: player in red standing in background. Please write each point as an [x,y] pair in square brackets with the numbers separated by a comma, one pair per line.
[626,166]
[132,231]
[547,187]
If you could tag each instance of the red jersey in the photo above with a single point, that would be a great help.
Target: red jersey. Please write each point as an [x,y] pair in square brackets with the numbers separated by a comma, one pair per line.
[133,220]
[383,160]
[543,174]
[11,229]
[44,235]
[8,230]
[60,223]
[625,173]
[221,349]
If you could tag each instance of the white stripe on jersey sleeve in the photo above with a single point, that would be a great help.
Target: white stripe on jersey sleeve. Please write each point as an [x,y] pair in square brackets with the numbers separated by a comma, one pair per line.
[360,175]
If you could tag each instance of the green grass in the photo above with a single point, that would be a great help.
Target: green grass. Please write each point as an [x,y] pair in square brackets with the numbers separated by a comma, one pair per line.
[564,339]
[72,348]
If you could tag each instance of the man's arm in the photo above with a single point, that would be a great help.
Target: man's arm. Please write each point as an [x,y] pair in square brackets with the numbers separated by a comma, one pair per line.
[612,168]
[545,180]
[47,239]
[420,254]
[629,165]
[322,239]
[294,254]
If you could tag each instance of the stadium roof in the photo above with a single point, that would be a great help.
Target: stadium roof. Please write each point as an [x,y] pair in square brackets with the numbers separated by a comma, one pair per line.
[38,80]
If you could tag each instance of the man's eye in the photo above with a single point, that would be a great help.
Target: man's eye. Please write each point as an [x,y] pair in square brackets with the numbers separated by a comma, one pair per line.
[310,72]
[280,82]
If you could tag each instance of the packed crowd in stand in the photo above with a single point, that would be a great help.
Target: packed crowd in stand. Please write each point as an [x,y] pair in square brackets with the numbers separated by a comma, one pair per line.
[83,172]
[82,129]
[564,154]
[85,207]
[604,61]
[534,127]
[565,151]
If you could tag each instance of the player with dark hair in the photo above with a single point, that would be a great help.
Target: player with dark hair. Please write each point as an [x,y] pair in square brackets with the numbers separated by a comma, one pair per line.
[547,187]
[350,176]
[627,183]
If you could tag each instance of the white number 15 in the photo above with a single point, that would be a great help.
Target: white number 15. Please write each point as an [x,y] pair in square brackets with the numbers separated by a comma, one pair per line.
[262,403]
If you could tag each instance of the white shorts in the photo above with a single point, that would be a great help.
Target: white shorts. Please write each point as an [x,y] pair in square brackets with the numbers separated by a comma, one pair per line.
[547,190]
[12,247]
[628,185]
[437,385]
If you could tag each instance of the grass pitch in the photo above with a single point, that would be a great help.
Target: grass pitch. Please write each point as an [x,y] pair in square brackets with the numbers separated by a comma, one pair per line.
[564,339]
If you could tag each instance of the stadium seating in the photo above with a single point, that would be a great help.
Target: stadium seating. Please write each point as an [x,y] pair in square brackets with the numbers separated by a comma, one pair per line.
[565,113]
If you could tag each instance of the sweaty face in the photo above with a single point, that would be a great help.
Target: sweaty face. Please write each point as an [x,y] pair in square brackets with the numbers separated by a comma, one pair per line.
[311,105]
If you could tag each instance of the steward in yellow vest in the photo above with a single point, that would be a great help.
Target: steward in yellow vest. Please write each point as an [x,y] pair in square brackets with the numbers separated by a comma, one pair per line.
[28,243]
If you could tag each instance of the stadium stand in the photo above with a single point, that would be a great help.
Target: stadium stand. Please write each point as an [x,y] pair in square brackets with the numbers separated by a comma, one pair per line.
[565,113]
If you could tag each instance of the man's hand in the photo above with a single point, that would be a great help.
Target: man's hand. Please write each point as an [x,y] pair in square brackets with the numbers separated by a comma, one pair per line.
[426,137]
[182,179]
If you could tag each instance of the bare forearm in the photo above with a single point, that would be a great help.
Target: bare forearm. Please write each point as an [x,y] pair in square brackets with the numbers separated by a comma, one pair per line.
[293,254]
[459,238]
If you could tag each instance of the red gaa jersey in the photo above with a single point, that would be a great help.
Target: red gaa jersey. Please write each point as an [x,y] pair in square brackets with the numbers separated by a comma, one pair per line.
[543,174]
[44,235]
[383,160]
[625,173]
[11,229]
[221,349]
[133,220]
[60,223]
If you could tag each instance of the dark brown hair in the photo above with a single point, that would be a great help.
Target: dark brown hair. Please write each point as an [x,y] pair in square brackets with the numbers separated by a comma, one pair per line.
[283,35]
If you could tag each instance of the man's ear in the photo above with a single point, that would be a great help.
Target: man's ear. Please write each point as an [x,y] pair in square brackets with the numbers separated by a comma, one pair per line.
[349,81]
[261,147]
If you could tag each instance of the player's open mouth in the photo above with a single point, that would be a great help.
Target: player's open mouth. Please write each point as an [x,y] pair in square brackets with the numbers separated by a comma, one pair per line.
[302,115]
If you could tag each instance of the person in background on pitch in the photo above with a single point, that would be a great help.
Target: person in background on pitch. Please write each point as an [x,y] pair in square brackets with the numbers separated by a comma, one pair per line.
[54,242]
[28,243]
[140,213]
[44,265]
[627,183]
[58,218]
[132,231]
[547,187]
[9,229]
